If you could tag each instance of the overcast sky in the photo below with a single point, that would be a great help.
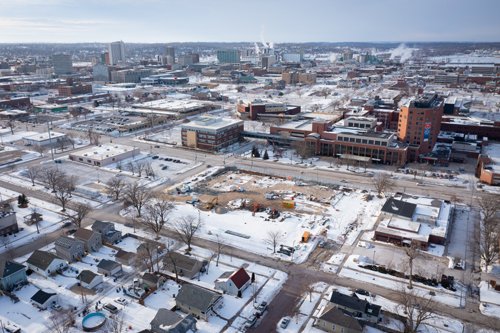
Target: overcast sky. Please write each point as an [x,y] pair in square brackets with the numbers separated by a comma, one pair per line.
[248,20]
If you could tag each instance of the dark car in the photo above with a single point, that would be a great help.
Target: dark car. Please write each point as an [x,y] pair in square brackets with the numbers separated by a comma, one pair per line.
[362,292]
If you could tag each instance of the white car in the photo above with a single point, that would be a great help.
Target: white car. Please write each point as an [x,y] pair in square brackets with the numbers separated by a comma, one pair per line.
[121,301]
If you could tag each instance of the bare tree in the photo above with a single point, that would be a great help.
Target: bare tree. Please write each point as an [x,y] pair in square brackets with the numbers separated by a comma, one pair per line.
[139,167]
[186,227]
[131,167]
[51,176]
[488,206]
[137,196]
[81,211]
[416,309]
[303,149]
[382,182]
[169,258]
[93,137]
[273,238]
[65,186]
[71,138]
[35,218]
[61,321]
[39,149]
[148,254]
[220,246]
[412,252]
[115,187]
[117,324]
[486,237]
[11,124]
[62,143]
[33,172]
[324,92]
[315,107]
[156,215]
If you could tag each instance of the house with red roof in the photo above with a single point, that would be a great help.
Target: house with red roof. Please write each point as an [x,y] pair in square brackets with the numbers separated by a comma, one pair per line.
[233,282]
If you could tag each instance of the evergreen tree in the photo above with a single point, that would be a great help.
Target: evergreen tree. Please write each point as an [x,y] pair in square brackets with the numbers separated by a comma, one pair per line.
[266,155]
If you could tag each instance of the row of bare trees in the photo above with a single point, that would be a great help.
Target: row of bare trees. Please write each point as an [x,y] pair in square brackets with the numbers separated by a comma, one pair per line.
[62,186]
[488,231]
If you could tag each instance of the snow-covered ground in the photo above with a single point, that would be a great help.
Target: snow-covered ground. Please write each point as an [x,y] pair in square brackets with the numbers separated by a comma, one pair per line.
[51,214]
[490,300]
[353,271]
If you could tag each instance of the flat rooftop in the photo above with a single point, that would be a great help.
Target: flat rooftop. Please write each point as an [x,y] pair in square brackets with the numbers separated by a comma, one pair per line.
[170,105]
[44,136]
[493,152]
[211,123]
[104,151]
[303,125]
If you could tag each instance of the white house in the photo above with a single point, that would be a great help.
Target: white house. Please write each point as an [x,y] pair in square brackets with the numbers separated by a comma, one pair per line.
[45,263]
[233,282]
[89,279]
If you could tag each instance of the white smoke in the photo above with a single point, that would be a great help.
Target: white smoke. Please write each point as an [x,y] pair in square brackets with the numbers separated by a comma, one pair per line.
[257,49]
[402,51]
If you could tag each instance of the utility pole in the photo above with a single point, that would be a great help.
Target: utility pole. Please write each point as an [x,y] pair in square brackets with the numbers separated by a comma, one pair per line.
[50,142]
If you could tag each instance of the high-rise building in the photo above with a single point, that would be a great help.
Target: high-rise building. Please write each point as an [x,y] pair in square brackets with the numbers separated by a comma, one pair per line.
[116,52]
[62,64]
[228,56]
[419,124]
[170,52]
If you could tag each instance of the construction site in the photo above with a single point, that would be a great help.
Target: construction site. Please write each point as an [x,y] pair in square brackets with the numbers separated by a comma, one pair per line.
[232,203]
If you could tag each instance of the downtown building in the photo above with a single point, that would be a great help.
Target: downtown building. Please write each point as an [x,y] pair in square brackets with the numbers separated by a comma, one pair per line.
[116,52]
[355,139]
[419,124]
[211,133]
[62,64]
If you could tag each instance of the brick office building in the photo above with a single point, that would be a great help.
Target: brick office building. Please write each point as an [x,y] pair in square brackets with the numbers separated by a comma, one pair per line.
[357,139]
[210,133]
[419,124]
[257,108]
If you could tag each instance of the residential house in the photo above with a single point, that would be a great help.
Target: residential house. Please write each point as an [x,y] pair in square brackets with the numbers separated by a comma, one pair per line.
[89,279]
[184,265]
[109,267]
[358,308]
[12,275]
[8,223]
[43,299]
[167,321]
[150,280]
[233,283]
[336,321]
[45,263]
[70,249]
[108,232]
[125,257]
[91,239]
[198,301]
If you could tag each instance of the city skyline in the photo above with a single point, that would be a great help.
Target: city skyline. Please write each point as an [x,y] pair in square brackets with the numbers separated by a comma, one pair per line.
[152,21]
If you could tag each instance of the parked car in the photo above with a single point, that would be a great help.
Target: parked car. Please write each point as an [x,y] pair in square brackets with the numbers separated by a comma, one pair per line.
[56,307]
[362,292]
[284,322]
[250,321]
[261,308]
[121,301]
[110,308]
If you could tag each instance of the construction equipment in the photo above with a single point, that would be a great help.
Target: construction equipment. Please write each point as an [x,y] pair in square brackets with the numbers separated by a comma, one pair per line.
[209,205]
[305,236]
[288,204]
